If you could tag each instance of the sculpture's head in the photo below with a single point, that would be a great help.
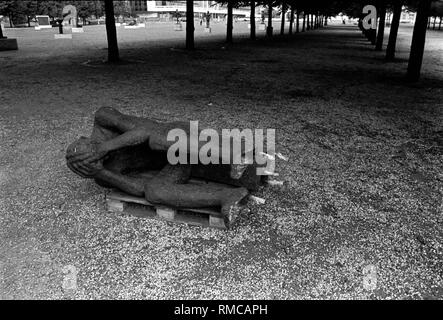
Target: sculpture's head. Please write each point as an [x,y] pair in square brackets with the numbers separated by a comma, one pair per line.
[79,155]
[79,146]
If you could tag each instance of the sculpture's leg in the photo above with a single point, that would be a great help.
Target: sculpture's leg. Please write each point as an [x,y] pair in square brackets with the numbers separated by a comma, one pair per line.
[127,184]
[114,120]
[101,134]
[169,187]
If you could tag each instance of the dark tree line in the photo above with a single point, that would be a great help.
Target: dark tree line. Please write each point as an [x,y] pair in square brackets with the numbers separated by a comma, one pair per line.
[305,14]
[24,11]
[314,13]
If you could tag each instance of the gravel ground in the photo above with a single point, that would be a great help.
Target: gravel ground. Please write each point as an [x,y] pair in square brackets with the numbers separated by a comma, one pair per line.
[359,216]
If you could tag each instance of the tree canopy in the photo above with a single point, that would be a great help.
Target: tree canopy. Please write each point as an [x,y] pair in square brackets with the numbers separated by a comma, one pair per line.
[27,9]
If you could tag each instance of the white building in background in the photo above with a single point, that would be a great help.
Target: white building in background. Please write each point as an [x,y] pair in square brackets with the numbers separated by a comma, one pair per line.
[138,6]
[164,10]
[407,16]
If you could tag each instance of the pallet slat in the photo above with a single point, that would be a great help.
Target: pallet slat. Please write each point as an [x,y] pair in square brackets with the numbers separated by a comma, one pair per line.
[120,196]
[120,202]
[115,205]
[216,222]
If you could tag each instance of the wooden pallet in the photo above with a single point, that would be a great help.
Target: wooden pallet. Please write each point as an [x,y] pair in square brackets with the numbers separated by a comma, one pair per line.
[120,202]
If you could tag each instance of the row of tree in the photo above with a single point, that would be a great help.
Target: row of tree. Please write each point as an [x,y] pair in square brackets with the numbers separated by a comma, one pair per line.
[318,11]
[436,12]
[314,14]
[424,9]
[24,11]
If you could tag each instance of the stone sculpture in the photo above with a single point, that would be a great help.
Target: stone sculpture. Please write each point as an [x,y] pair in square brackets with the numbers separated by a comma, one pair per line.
[121,146]
[5,43]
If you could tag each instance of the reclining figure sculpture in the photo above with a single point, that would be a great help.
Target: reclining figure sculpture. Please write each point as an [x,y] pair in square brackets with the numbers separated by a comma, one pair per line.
[122,146]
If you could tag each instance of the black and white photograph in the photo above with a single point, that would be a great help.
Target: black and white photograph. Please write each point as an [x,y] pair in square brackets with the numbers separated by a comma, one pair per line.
[249,152]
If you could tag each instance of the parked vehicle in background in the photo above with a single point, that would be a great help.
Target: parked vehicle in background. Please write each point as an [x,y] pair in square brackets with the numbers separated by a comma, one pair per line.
[96,21]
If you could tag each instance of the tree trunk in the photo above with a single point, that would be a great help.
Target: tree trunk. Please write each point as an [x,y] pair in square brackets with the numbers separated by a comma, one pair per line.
[418,40]
[283,16]
[229,26]
[312,21]
[291,20]
[111,32]
[96,9]
[308,25]
[269,28]
[439,24]
[297,24]
[381,26]
[304,22]
[11,24]
[1,32]
[390,51]
[326,20]
[252,20]
[371,35]
[433,25]
[190,25]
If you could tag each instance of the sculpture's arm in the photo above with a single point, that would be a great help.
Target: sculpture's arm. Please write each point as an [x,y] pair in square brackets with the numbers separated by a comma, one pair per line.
[99,151]
[80,163]
[133,137]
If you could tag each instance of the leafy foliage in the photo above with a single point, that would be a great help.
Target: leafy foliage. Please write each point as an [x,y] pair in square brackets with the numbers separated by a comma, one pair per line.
[28,9]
